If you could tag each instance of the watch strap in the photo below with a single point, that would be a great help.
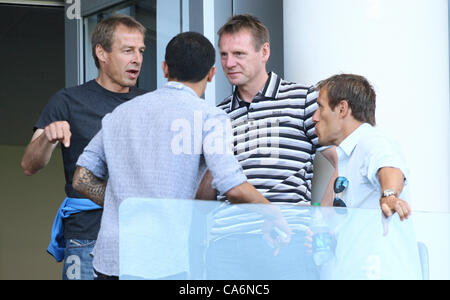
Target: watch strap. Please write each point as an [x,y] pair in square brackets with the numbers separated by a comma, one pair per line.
[389,192]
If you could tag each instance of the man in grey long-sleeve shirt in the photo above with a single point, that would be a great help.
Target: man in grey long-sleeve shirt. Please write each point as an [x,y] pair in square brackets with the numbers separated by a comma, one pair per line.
[159,146]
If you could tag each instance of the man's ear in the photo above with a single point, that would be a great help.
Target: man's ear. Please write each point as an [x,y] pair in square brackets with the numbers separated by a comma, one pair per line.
[101,53]
[165,69]
[265,49]
[344,108]
[211,73]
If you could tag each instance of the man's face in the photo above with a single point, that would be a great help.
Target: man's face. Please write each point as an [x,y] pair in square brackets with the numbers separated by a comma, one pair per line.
[327,121]
[123,63]
[241,63]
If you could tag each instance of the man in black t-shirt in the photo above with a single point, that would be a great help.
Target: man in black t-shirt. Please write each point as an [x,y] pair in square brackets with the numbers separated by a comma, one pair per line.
[73,116]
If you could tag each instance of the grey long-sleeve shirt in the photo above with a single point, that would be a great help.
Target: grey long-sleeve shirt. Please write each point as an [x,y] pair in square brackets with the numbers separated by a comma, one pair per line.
[157,145]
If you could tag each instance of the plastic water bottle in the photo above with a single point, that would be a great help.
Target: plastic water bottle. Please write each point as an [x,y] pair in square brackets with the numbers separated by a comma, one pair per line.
[322,241]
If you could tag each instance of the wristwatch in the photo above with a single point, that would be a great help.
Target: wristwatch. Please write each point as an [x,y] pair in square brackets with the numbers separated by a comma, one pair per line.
[389,192]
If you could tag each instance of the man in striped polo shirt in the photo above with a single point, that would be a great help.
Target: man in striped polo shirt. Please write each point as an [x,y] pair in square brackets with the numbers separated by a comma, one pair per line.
[274,138]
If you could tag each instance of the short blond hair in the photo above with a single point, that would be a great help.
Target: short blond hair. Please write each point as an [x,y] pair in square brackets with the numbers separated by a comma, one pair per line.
[251,23]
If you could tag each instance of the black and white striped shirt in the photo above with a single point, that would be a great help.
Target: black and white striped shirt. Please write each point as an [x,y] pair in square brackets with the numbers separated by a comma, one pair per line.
[274,139]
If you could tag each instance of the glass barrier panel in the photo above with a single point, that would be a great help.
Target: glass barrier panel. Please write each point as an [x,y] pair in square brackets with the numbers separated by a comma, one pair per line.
[193,239]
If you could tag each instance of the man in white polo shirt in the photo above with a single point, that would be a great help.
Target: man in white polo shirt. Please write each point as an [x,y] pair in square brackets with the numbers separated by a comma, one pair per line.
[372,171]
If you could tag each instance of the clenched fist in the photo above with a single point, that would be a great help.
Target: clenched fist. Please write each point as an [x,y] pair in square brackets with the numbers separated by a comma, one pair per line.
[58,131]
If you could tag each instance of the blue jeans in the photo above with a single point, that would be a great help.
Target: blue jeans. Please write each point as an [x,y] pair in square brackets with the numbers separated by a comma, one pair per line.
[78,260]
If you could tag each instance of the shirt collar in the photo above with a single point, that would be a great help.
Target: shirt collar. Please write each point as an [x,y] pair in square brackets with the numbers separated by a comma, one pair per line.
[179,86]
[268,92]
[126,96]
[349,143]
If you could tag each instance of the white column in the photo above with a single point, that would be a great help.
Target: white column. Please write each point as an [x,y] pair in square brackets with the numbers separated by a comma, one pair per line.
[401,47]
[209,32]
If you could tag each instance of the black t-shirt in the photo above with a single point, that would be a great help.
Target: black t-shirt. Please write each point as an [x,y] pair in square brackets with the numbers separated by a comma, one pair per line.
[83,107]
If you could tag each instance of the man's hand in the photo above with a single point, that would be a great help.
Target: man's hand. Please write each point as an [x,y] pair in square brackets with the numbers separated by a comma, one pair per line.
[393,179]
[40,149]
[277,233]
[58,131]
[392,204]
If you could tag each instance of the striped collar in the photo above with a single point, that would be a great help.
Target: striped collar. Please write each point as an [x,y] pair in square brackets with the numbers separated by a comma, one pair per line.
[268,92]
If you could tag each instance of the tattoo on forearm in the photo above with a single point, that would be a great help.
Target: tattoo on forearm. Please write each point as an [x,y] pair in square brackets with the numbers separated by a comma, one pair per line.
[90,186]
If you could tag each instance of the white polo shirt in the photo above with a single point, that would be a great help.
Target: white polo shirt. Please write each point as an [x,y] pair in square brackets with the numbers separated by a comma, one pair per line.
[361,155]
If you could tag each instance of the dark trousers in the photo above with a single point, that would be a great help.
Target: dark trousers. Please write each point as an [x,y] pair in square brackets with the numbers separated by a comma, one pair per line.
[100,276]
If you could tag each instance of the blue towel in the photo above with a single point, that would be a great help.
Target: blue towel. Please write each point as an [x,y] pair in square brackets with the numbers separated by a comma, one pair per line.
[68,207]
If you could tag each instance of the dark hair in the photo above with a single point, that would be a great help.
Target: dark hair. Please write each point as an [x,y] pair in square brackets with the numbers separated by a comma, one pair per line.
[189,57]
[356,90]
[103,34]
[237,23]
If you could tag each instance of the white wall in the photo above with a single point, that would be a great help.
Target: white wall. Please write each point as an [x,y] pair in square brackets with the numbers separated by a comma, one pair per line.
[209,32]
[402,48]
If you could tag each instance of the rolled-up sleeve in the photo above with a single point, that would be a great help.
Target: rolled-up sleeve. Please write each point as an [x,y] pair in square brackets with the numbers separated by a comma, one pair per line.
[218,152]
[93,157]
